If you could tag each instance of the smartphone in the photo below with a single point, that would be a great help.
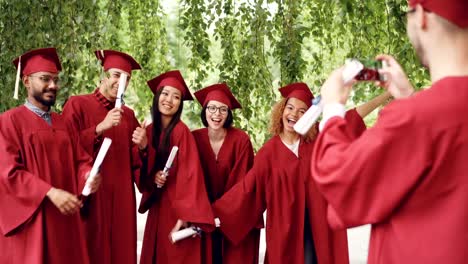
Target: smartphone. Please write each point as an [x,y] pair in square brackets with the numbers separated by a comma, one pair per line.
[370,72]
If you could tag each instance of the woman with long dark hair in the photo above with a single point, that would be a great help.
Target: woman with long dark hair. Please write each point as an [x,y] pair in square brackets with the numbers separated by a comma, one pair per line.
[178,198]
[226,155]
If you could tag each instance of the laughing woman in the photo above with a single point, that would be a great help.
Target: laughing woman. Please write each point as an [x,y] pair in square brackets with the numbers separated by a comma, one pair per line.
[182,199]
[280,183]
[226,155]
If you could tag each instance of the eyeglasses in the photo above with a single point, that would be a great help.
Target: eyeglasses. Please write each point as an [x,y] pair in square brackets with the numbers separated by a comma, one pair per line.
[47,79]
[222,109]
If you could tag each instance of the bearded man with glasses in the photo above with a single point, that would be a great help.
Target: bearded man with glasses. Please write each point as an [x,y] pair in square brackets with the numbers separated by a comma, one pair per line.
[43,168]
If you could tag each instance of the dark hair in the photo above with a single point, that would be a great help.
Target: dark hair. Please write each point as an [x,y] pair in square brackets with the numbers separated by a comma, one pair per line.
[163,149]
[227,123]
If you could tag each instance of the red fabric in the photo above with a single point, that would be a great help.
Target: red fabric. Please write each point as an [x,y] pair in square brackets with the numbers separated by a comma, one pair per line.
[406,176]
[118,60]
[173,79]
[280,182]
[39,60]
[33,229]
[103,100]
[234,159]
[110,220]
[219,92]
[182,197]
[454,11]
[299,91]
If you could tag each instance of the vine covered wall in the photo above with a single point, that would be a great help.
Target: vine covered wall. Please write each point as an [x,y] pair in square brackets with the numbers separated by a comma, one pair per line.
[256,46]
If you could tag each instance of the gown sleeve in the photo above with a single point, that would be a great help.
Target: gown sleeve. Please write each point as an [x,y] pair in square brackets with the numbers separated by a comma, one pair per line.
[88,138]
[364,178]
[189,199]
[242,207]
[21,192]
[245,158]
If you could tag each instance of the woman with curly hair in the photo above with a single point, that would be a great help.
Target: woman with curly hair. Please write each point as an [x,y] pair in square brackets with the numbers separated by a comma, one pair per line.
[280,182]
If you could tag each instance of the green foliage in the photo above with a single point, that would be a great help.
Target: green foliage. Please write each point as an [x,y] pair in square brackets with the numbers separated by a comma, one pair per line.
[254,46]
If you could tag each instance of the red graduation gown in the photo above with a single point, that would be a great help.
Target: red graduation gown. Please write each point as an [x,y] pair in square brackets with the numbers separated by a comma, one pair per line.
[110,222]
[34,157]
[280,182]
[406,176]
[235,158]
[182,197]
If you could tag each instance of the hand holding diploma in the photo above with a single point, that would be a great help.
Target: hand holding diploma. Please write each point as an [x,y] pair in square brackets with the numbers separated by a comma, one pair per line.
[181,231]
[93,179]
[161,176]
[112,119]
[65,202]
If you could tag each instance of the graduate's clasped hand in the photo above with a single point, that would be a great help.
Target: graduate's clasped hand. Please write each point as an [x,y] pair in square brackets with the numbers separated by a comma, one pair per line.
[160,178]
[334,90]
[66,202]
[112,119]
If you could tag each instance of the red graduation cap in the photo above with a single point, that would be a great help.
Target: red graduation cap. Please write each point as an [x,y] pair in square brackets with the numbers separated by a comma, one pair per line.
[455,11]
[299,91]
[219,92]
[173,79]
[119,60]
[37,60]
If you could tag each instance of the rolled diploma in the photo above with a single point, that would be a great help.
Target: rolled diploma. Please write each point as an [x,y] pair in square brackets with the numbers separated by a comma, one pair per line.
[97,163]
[307,120]
[169,161]
[121,90]
[184,233]
[303,125]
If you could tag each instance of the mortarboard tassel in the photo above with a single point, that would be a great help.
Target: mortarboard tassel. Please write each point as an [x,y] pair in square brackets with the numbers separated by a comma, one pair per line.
[18,74]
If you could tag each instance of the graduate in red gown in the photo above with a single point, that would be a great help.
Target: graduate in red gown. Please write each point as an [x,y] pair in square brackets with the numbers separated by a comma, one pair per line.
[407,175]
[226,155]
[182,198]
[280,182]
[109,214]
[42,170]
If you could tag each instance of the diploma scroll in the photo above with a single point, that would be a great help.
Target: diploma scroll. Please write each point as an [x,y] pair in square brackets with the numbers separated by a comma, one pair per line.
[304,124]
[169,161]
[97,164]
[185,233]
[121,90]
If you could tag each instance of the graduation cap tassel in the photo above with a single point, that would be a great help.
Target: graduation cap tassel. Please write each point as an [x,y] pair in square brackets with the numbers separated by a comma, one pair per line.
[18,74]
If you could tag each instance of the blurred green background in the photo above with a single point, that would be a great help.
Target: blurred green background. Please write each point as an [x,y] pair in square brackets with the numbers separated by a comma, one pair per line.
[255,46]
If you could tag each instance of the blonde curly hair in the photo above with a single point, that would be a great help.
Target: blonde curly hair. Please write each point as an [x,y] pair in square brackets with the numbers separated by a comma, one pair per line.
[276,122]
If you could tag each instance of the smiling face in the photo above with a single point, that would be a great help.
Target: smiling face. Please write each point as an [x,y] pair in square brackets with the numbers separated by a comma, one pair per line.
[293,110]
[110,84]
[42,88]
[216,114]
[169,101]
